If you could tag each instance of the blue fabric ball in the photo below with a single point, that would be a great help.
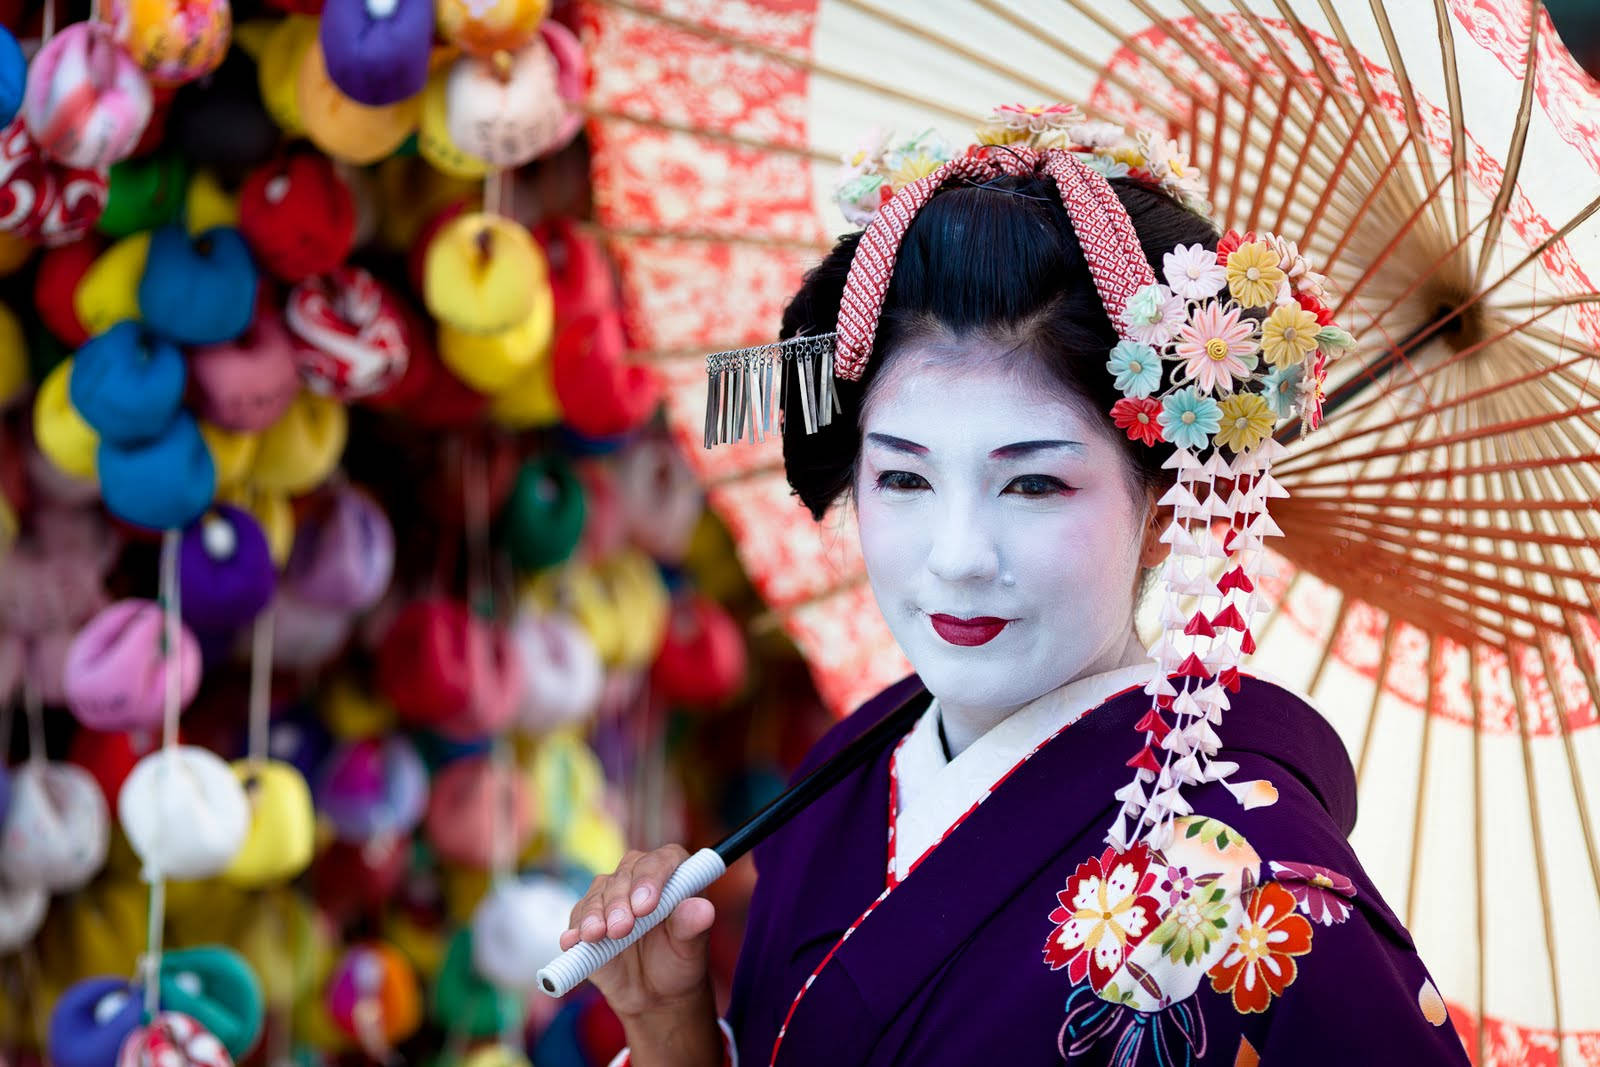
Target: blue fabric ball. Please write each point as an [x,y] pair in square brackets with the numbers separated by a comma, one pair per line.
[13,76]
[163,484]
[200,291]
[91,1020]
[128,384]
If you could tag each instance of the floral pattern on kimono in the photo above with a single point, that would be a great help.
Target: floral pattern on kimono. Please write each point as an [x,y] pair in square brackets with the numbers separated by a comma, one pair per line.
[1138,932]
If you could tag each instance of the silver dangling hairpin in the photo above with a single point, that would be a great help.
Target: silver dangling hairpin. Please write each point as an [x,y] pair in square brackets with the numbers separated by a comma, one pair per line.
[740,397]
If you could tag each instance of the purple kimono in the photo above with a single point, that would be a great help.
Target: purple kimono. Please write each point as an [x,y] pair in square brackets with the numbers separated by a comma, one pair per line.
[1253,936]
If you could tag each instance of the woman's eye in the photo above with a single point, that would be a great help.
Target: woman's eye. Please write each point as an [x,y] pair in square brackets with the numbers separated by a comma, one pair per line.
[901,481]
[1036,485]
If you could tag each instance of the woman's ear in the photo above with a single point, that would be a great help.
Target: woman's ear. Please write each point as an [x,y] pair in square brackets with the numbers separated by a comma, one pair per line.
[1152,550]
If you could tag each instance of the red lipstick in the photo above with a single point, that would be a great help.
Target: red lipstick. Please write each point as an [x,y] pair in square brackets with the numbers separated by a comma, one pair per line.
[969,632]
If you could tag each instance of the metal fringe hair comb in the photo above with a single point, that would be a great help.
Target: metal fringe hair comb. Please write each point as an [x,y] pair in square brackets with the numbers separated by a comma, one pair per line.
[745,386]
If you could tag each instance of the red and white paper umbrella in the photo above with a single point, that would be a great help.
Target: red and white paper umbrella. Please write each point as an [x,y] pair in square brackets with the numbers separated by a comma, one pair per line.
[355,339]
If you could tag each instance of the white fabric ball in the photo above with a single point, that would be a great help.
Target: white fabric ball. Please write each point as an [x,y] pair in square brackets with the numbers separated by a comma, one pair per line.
[22,911]
[184,812]
[517,930]
[561,670]
[57,830]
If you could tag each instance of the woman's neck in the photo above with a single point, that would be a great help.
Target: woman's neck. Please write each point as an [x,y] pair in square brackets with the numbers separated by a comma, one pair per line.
[965,724]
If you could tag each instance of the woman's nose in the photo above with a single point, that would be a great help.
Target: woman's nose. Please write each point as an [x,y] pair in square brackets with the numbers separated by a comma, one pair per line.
[962,550]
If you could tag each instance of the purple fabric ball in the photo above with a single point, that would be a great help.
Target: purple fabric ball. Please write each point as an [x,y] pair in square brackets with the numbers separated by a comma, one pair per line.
[343,558]
[377,50]
[225,569]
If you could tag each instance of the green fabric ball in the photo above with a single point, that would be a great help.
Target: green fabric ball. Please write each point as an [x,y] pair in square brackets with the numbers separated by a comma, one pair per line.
[463,1002]
[144,193]
[216,986]
[543,517]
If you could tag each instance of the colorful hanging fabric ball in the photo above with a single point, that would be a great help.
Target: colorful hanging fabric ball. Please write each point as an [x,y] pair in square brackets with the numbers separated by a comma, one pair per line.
[51,204]
[434,142]
[491,362]
[307,636]
[201,290]
[233,454]
[299,451]
[356,878]
[377,51]
[377,787]
[110,755]
[91,1020]
[249,383]
[86,102]
[59,273]
[219,121]
[109,291]
[345,128]
[601,395]
[225,570]
[298,215]
[173,1039]
[283,49]
[516,930]
[353,338]
[344,555]
[184,813]
[13,76]
[213,985]
[543,518]
[484,27]
[481,273]
[175,42]
[22,911]
[162,484]
[144,192]
[128,384]
[282,832]
[57,831]
[507,110]
[563,671]
[580,276]
[702,662]
[116,673]
[462,998]
[446,670]
[478,810]
[373,995]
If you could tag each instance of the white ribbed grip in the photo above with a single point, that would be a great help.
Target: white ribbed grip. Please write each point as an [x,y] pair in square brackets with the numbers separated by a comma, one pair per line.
[576,964]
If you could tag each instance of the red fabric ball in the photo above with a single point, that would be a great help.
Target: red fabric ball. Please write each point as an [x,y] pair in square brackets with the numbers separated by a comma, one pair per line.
[443,669]
[356,879]
[701,663]
[298,215]
[60,271]
[109,756]
[601,396]
[427,393]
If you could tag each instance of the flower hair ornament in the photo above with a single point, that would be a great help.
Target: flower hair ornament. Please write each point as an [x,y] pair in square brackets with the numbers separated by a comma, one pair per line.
[1241,336]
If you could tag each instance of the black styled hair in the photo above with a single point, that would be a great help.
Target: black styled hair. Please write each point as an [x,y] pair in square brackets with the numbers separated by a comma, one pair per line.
[1000,260]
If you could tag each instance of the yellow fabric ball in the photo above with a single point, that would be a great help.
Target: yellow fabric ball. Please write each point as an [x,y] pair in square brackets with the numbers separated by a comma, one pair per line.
[208,205]
[287,943]
[339,125]
[282,831]
[108,293]
[353,714]
[13,358]
[300,450]
[60,432]
[252,36]
[283,53]
[233,454]
[272,512]
[433,136]
[529,401]
[481,272]
[484,27]
[491,362]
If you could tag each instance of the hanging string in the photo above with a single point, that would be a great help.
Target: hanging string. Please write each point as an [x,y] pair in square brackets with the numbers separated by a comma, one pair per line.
[261,686]
[48,28]
[33,706]
[171,608]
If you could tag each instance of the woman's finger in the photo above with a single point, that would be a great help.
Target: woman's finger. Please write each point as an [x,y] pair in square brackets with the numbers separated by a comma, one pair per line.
[651,873]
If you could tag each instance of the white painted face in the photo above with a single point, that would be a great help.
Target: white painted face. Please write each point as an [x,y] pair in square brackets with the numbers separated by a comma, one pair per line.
[1001,529]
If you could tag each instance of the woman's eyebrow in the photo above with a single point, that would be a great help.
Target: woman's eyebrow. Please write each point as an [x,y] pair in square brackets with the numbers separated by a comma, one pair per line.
[897,444]
[1027,448]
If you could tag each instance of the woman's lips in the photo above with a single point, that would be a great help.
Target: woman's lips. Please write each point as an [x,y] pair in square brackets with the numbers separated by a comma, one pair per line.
[978,631]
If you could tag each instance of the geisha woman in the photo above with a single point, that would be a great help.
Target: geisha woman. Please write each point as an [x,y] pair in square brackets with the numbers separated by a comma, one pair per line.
[1048,386]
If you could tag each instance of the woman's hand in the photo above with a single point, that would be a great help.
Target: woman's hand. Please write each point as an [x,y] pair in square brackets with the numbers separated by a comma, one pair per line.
[663,974]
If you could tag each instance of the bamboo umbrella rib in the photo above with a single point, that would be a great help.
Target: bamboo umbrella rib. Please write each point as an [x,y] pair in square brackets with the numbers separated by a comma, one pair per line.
[1075,55]
[1272,619]
[1327,642]
[1560,300]
[1426,602]
[1366,202]
[1362,532]
[1300,492]
[1309,232]
[1519,699]
[1482,913]
[1218,112]
[1420,277]
[1378,261]
[1384,650]
[957,48]
[764,470]
[646,233]
[790,59]
[1297,174]
[1247,110]
[1422,783]
[1409,477]
[1458,140]
[759,144]
[1563,722]
[1519,141]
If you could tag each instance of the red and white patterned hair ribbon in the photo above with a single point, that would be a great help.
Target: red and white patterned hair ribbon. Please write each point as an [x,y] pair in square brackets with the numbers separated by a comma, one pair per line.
[1111,245]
